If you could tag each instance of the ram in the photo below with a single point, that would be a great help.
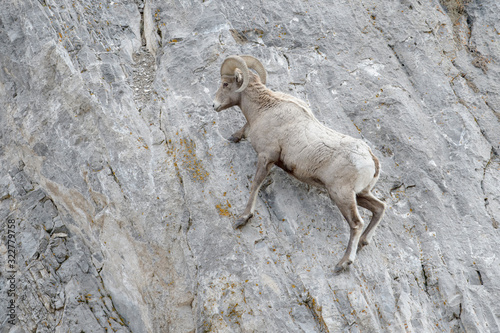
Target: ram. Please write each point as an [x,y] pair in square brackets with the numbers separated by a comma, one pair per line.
[284,132]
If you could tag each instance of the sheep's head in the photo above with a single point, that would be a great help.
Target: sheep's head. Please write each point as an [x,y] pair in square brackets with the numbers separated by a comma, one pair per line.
[234,80]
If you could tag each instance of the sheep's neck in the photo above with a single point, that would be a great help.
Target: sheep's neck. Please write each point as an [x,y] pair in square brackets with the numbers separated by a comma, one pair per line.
[255,100]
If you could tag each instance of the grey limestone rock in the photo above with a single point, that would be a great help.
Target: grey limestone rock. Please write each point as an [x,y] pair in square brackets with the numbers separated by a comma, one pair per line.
[124,187]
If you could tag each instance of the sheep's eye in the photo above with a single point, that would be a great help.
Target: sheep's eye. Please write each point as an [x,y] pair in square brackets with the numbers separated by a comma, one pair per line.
[225,84]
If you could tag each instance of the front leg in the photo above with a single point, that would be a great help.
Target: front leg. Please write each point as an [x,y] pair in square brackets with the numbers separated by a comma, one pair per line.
[264,165]
[240,134]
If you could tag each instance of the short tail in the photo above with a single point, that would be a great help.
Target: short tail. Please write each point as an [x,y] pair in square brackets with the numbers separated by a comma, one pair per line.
[377,165]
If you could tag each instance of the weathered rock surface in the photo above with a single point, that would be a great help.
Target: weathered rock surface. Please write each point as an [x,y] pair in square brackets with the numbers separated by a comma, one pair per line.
[124,188]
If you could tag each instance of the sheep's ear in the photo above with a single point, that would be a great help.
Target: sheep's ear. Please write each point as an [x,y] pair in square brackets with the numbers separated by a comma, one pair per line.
[238,75]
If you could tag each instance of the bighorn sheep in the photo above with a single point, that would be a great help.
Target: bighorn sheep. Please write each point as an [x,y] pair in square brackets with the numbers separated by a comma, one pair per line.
[284,132]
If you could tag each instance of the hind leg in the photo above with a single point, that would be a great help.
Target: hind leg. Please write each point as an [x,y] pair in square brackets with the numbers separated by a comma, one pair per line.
[346,202]
[377,207]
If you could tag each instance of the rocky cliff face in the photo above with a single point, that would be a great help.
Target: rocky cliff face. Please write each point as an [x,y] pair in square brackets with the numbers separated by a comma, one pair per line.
[121,188]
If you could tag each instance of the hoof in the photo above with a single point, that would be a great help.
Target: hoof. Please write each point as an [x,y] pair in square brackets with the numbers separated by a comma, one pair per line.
[241,221]
[341,266]
[234,139]
[338,269]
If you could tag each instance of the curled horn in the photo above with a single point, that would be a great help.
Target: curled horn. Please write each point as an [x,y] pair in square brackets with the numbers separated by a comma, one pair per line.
[256,65]
[229,67]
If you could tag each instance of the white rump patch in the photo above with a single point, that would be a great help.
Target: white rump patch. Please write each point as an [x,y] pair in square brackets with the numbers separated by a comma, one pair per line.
[366,170]
[365,177]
